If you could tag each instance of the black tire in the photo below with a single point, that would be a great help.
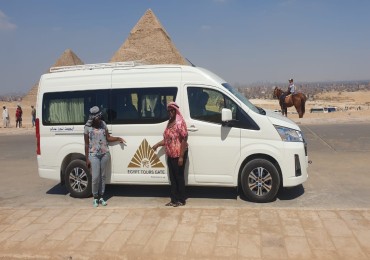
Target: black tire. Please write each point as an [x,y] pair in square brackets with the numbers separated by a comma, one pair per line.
[78,179]
[260,181]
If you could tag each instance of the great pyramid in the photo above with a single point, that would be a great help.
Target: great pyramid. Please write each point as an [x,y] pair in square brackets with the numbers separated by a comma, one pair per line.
[68,58]
[149,43]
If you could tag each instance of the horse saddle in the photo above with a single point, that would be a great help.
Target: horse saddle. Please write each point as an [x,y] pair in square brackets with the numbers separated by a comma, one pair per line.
[289,100]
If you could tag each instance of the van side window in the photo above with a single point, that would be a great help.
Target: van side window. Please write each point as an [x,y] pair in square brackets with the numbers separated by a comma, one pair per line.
[206,105]
[72,107]
[141,105]
[125,105]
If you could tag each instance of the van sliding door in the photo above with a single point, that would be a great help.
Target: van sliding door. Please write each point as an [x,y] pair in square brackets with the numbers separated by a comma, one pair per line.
[139,115]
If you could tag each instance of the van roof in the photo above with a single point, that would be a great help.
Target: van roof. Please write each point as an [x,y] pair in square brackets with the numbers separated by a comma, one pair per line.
[90,68]
[96,66]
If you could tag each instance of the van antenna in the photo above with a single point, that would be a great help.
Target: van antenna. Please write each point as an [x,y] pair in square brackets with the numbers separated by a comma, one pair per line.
[190,63]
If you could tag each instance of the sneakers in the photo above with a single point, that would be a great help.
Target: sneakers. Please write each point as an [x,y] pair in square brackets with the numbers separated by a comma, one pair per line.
[103,202]
[179,204]
[175,204]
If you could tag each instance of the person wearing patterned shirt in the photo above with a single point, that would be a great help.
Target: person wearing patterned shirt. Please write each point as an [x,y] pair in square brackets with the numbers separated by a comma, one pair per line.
[174,140]
[97,154]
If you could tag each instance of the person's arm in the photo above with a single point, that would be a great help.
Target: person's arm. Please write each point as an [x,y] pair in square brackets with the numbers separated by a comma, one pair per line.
[160,143]
[183,147]
[88,163]
[113,138]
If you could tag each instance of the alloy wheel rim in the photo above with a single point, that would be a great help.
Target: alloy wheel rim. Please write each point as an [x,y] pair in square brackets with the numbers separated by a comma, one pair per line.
[78,179]
[260,181]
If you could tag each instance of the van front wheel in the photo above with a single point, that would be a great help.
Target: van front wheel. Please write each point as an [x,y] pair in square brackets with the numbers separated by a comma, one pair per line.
[78,179]
[260,181]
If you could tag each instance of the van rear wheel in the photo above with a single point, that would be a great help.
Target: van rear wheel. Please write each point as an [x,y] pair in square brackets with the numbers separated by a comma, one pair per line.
[78,179]
[260,181]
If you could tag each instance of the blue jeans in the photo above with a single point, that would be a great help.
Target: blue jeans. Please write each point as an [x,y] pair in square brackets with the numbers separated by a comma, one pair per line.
[98,172]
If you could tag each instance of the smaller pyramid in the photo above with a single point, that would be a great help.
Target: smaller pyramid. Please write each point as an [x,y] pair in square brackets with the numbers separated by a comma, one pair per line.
[149,43]
[68,58]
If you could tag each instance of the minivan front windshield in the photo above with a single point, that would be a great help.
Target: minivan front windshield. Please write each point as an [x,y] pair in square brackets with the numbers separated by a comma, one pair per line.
[241,97]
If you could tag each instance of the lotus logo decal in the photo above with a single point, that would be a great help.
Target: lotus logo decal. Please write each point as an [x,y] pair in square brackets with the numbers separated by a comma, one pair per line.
[145,157]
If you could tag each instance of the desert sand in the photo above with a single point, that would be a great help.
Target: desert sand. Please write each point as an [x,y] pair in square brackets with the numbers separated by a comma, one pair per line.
[26,119]
[341,100]
[352,107]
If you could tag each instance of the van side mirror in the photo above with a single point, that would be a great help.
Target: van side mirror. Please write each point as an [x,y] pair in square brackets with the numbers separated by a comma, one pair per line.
[226,116]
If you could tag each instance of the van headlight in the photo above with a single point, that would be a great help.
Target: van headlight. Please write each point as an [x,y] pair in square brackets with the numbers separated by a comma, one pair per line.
[288,134]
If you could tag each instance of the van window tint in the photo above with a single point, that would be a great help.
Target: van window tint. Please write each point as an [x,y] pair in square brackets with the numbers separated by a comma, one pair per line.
[119,106]
[241,97]
[72,107]
[141,105]
[206,105]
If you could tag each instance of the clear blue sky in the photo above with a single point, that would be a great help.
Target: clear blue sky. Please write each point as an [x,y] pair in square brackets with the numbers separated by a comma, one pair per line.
[243,41]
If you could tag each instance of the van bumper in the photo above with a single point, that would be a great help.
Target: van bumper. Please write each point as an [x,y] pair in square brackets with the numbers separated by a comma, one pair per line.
[295,168]
[295,181]
[49,173]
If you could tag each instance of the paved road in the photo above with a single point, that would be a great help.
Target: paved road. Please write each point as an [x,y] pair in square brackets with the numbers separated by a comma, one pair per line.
[338,177]
[326,218]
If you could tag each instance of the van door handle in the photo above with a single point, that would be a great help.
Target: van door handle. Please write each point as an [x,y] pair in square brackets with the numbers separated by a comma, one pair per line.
[192,128]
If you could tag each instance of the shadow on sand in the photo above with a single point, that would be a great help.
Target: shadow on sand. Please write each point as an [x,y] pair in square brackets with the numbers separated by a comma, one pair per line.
[163,191]
[157,191]
[283,194]
[58,190]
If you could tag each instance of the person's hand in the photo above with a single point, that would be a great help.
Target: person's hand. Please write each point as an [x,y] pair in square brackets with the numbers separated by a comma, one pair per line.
[121,140]
[155,147]
[181,161]
[88,163]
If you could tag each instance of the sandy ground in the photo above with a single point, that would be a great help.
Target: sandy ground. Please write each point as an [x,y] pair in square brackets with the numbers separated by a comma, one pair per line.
[352,114]
[26,119]
[351,100]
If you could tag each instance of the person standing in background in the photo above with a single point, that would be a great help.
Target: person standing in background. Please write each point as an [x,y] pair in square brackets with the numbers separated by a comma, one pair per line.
[5,117]
[33,114]
[18,117]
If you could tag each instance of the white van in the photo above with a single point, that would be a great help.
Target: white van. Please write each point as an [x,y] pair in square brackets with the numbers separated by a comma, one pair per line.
[319,110]
[231,141]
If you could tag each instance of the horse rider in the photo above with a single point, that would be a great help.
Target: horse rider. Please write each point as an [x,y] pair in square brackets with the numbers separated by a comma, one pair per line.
[291,91]
[291,88]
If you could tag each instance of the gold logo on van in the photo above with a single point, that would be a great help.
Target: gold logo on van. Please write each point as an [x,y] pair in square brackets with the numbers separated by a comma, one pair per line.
[145,157]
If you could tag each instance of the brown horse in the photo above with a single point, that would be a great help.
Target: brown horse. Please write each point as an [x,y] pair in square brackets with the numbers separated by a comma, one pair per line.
[297,100]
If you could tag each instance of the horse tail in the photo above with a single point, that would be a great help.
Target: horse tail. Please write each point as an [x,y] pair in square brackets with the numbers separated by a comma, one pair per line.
[303,107]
